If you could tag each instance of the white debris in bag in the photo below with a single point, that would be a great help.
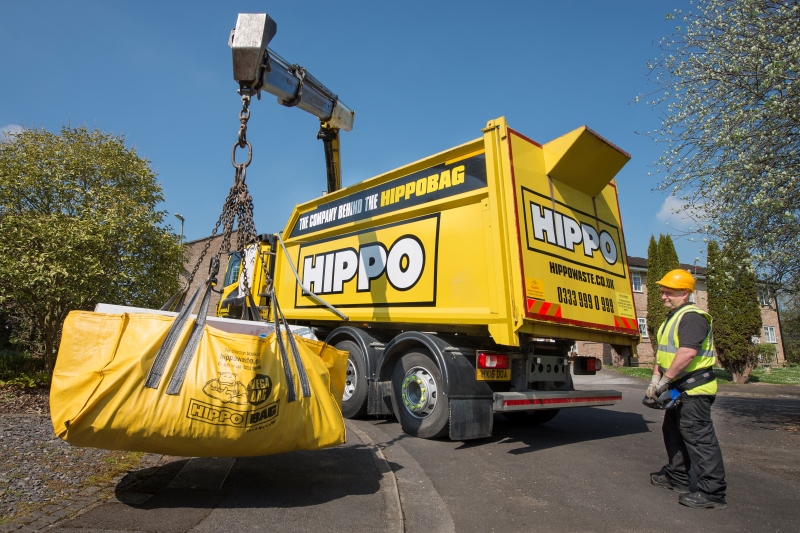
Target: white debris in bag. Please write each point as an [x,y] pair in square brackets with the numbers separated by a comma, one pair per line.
[229,325]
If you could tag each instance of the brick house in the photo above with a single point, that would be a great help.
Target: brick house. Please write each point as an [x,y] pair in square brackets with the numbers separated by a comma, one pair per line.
[193,251]
[770,331]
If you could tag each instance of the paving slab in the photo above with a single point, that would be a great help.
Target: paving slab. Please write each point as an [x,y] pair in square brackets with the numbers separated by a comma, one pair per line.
[346,488]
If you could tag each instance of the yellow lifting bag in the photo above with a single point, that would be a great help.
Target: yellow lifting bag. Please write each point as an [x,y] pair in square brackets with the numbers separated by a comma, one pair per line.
[236,395]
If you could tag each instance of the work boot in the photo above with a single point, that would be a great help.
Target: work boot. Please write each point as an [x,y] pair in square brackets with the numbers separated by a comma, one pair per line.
[661,480]
[698,500]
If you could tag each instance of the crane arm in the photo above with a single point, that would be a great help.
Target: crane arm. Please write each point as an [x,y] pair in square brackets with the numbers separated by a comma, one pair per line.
[257,68]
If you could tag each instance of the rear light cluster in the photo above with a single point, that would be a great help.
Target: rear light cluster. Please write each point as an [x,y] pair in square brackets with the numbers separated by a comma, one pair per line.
[492,360]
[593,364]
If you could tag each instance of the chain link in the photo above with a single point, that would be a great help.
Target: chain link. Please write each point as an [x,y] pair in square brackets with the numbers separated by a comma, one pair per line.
[241,140]
[244,116]
[238,205]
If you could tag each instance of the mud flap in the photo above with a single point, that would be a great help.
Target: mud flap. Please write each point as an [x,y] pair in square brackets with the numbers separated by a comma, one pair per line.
[379,399]
[470,418]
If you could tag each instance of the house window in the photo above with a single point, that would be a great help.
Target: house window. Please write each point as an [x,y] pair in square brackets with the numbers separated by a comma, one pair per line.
[769,334]
[636,280]
[763,297]
[643,328]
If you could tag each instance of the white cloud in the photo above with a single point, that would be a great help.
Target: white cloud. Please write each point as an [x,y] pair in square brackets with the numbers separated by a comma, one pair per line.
[672,214]
[8,131]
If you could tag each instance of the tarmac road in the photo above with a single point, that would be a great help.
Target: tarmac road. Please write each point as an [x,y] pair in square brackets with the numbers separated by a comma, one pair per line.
[587,470]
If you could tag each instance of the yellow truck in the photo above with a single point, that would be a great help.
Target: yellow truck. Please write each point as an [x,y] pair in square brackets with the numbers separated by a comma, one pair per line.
[460,282]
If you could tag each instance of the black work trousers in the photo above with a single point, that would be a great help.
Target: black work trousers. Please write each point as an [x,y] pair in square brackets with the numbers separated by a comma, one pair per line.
[692,445]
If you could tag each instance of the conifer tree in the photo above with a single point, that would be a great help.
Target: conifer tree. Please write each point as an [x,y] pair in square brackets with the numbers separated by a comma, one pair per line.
[655,309]
[733,304]
[661,258]
[667,254]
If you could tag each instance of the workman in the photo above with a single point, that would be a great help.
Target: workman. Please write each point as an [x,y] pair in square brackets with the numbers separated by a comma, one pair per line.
[684,362]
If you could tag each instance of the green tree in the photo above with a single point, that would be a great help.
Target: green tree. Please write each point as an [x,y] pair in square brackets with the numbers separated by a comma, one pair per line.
[733,304]
[790,331]
[727,87]
[80,226]
[661,258]
[667,254]
[655,307]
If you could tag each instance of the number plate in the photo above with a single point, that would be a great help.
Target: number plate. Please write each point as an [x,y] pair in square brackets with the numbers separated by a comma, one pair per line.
[493,374]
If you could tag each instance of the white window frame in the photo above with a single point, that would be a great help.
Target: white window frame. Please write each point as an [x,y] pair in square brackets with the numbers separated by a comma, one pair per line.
[769,334]
[635,276]
[763,297]
[643,327]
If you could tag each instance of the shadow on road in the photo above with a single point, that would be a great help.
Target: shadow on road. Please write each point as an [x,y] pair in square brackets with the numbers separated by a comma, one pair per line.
[761,413]
[570,426]
[297,479]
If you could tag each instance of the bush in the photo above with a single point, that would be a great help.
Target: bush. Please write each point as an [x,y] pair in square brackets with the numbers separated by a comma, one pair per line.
[766,353]
[22,370]
[792,353]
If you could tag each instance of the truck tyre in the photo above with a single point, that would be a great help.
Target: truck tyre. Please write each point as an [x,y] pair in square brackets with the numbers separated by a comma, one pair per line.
[418,397]
[354,397]
[531,418]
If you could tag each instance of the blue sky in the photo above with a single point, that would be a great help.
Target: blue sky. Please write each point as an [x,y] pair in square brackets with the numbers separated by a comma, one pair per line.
[422,77]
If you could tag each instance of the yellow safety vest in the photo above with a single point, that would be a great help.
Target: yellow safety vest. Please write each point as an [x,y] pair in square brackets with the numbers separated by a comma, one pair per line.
[668,345]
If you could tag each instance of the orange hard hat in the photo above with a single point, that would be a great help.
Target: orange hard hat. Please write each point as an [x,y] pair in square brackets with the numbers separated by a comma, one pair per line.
[677,279]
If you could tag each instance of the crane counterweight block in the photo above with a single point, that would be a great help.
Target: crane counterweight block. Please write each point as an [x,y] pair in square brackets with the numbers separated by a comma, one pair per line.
[248,42]
[257,68]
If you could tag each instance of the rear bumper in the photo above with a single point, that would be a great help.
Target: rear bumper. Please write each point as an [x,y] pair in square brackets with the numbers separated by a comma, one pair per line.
[530,400]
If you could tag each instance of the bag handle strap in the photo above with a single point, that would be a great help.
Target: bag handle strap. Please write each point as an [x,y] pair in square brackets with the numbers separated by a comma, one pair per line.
[291,394]
[175,302]
[249,309]
[179,374]
[174,333]
[298,362]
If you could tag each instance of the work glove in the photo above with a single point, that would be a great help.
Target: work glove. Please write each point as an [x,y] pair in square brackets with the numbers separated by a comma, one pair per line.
[651,389]
[661,386]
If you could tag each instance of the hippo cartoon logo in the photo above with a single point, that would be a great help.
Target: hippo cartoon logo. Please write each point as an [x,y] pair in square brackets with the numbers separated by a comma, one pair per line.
[226,389]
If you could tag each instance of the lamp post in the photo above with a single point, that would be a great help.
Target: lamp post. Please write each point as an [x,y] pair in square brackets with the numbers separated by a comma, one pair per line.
[180,217]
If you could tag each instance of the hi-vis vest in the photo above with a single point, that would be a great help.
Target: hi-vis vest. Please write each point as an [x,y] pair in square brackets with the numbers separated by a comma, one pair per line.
[668,346]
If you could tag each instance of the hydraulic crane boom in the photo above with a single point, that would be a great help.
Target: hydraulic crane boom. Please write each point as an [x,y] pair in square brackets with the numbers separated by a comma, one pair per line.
[257,68]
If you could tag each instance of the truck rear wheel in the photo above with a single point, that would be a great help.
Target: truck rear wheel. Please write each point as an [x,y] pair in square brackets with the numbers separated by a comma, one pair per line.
[418,396]
[354,397]
[531,418]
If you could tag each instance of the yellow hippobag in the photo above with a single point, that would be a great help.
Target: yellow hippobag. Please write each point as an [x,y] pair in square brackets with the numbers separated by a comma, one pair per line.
[118,385]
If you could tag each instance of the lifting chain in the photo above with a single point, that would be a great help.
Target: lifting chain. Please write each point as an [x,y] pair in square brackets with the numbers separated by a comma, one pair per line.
[238,204]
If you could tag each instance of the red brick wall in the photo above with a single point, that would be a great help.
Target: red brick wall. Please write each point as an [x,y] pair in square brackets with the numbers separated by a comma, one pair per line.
[194,249]
[769,317]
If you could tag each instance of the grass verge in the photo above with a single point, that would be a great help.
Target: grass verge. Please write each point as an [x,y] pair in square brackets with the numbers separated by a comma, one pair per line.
[775,376]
